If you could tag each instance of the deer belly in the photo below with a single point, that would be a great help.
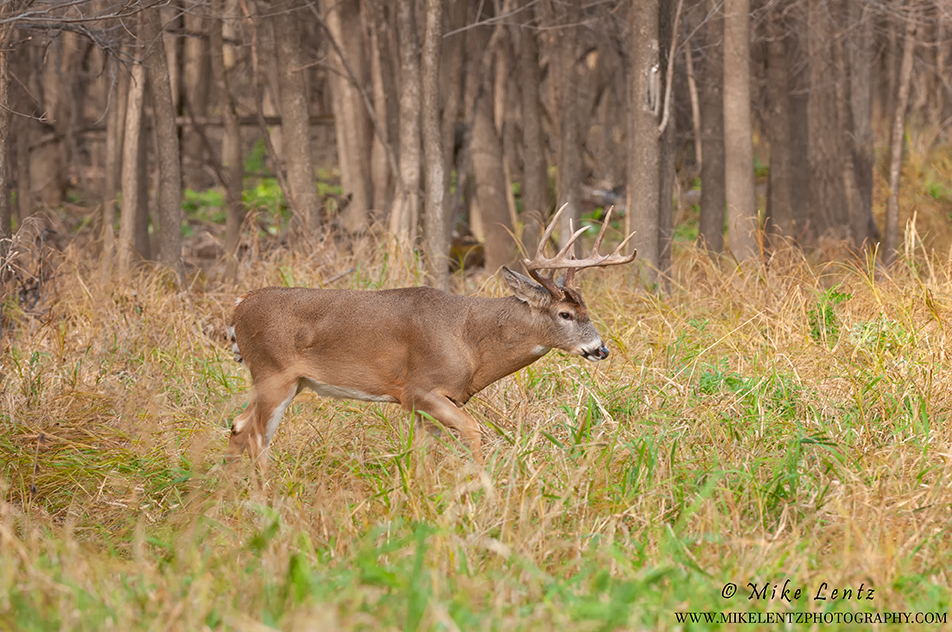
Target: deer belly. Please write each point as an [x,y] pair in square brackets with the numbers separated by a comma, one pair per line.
[342,392]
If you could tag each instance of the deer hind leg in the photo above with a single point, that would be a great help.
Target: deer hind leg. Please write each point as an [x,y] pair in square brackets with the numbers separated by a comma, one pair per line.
[447,413]
[260,421]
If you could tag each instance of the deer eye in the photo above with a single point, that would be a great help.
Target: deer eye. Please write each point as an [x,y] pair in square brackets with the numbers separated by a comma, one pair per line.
[565,315]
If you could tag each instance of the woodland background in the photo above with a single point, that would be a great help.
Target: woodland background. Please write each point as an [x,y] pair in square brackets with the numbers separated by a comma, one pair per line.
[454,126]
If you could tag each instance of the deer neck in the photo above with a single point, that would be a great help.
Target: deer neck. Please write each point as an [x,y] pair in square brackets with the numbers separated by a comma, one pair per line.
[506,335]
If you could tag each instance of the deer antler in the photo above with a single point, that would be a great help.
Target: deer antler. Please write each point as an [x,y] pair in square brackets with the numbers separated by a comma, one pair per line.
[565,260]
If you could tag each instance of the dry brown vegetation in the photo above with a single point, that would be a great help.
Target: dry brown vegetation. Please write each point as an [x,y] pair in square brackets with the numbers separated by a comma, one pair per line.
[758,424]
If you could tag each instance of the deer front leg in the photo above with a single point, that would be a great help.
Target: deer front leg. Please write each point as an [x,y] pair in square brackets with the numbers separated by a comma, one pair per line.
[240,430]
[253,429]
[447,413]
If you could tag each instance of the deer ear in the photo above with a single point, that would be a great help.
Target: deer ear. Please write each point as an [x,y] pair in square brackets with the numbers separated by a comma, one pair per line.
[526,289]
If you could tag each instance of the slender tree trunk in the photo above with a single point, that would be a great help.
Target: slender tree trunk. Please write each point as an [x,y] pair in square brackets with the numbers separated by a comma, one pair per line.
[24,189]
[891,244]
[798,72]
[132,138]
[489,217]
[143,221]
[861,60]
[295,120]
[738,133]
[570,158]
[406,212]
[828,203]
[779,194]
[453,72]
[195,91]
[6,50]
[351,119]
[167,147]
[695,102]
[711,222]
[668,17]
[437,247]
[643,144]
[381,75]
[115,126]
[231,147]
[536,200]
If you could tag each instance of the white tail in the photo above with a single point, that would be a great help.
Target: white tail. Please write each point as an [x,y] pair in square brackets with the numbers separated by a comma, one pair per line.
[427,350]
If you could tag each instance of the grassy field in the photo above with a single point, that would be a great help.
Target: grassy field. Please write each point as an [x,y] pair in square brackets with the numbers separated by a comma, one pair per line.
[757,429]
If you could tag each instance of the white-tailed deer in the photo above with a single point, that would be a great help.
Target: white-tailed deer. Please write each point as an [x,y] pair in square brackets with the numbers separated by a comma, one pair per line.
[427,350]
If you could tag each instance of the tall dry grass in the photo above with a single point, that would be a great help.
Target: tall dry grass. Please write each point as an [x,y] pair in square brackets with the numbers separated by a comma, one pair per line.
[757,424]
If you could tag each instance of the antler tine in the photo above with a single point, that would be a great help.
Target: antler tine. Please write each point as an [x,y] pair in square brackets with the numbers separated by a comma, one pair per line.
[548,231]
[601,233]
[564,259]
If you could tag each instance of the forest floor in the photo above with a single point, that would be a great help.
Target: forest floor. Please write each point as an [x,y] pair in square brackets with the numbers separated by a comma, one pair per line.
[766,444]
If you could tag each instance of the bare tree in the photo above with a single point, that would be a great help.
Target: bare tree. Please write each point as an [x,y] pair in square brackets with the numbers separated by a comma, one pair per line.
[131,186]
[489,217]
[738,132]
[115,127]
[570,159]
[829,215]
[453,72]
[536,199]
[434,217]
[231,145]
[295,119]
[891,241]
[643,146]
[860,138]
[167,146]
[406,210]
[382,82]
[351,122]
[780,192]
[711,223]
[7,9]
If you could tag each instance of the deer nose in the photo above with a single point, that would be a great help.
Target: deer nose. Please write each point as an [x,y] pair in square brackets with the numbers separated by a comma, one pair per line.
[602,352]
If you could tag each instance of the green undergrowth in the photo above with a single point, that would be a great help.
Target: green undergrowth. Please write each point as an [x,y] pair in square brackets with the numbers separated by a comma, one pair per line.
[756,428]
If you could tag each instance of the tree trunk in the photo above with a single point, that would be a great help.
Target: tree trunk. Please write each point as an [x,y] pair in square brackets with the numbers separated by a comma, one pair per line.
[232,163]
[667,150]
[381,76]
[829,217]
[711,222]
[437,247]
[891,244]
[453,72]
[167,148]
[738,133]
[115,126]
[350,114]
[406,208]
[570,159]
[489,217]
[195,92]
[798,72]
[860,140]
[295,120]
[536,200]
[779,191]
[6,50]
[643,144]
[132,138]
